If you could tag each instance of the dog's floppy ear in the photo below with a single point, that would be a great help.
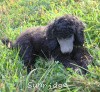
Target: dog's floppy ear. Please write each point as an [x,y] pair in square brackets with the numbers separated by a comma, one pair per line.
[52,44]
[52,41]
[50,30]
[79,34]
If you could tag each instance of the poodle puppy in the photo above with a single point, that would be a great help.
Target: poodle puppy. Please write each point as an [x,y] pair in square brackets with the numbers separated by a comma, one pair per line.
[62,39]
[68,33]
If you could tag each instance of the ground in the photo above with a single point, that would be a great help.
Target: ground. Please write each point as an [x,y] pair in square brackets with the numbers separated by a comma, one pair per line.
[17,15]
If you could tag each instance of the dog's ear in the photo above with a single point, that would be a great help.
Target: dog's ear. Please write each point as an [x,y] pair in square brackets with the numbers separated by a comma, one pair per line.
[79,34]
[50,30]
[51,39]
[52,44]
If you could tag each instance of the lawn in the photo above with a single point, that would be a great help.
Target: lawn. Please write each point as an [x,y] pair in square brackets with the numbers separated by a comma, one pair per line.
[49,76]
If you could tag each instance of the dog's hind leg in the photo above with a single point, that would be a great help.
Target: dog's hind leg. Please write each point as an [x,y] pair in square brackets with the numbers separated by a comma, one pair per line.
[26,52]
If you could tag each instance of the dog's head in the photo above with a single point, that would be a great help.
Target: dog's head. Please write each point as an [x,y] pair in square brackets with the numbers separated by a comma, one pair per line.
[68,31]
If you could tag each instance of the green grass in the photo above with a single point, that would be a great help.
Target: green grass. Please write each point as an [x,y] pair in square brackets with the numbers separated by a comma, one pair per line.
[17,15]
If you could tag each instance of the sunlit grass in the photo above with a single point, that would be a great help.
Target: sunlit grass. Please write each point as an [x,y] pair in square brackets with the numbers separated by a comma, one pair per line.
[49,76]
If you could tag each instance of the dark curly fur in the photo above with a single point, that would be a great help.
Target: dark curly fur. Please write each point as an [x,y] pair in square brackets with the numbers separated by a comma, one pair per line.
[42,41]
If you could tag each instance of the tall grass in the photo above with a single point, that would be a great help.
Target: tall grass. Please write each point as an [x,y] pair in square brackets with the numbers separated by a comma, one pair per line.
[49,76]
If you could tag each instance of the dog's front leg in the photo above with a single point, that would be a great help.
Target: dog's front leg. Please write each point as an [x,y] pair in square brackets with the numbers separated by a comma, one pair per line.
[82,57]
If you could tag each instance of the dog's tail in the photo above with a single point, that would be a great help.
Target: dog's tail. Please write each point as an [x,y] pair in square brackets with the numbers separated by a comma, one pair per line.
[7,42]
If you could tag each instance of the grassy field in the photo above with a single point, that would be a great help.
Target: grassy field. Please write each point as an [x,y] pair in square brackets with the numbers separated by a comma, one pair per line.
[17,15]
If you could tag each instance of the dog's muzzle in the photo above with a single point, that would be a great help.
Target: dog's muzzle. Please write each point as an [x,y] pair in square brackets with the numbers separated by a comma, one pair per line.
[66,44]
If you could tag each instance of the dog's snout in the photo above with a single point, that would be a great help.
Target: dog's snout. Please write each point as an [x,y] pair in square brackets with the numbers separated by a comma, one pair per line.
[66,45]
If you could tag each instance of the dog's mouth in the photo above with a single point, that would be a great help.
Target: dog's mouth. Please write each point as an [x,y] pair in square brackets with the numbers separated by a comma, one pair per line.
[66,44]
